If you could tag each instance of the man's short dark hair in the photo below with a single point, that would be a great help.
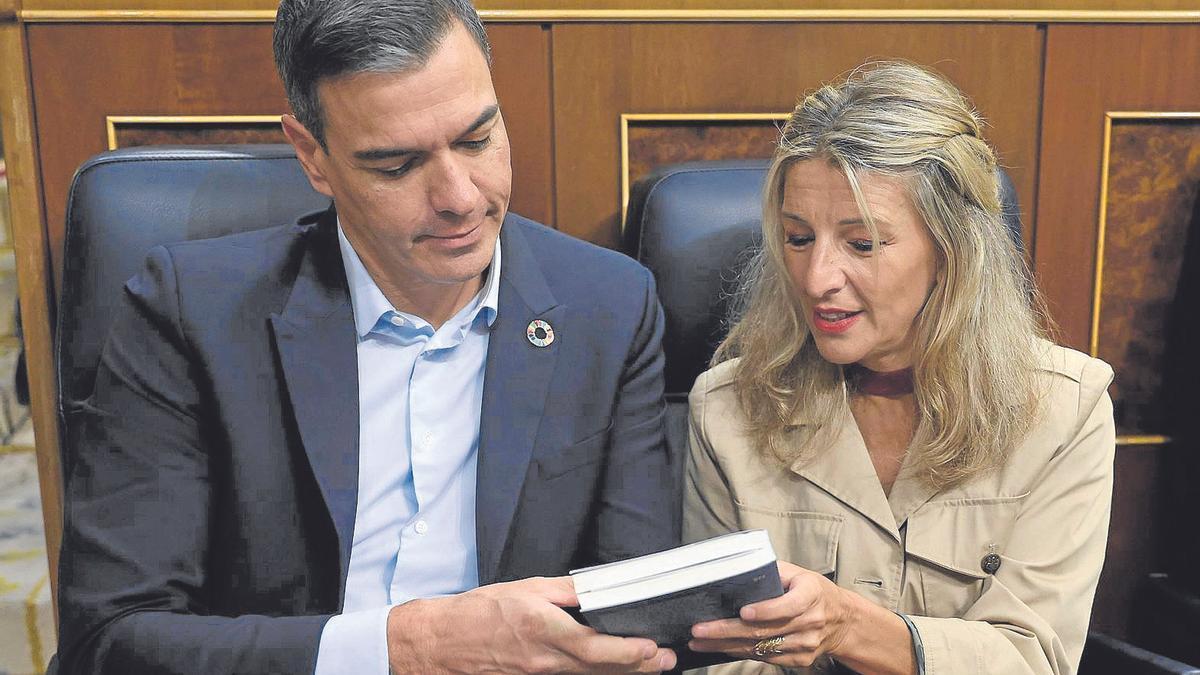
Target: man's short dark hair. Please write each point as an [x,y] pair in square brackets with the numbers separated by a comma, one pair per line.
[316,39]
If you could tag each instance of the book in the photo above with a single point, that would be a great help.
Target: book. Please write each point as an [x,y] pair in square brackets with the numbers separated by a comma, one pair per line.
[662,595]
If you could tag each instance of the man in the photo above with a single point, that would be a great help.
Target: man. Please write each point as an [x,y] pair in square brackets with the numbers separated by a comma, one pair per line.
[345,445]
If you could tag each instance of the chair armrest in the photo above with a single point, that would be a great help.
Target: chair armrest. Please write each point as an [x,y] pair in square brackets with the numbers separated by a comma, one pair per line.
[1106,655]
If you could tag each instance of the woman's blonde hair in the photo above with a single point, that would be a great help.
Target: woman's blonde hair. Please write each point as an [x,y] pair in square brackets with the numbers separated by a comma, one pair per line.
[975,366]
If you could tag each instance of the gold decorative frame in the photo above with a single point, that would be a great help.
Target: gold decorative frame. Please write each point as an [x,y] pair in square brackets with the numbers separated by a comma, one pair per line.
[655,15]
[1101,232]
[627,118]
[112,121]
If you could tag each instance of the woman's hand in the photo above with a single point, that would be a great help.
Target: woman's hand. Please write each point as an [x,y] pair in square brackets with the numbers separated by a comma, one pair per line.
[811,618]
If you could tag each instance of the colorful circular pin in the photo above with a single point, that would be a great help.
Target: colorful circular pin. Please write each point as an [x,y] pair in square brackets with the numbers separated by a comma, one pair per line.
[540,333]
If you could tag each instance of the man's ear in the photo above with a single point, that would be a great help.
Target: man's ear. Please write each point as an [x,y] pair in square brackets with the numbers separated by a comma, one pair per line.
[310,153]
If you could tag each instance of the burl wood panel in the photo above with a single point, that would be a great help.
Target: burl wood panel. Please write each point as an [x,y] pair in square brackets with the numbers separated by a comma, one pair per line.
[131,135]
[1153,183]
[1091,70]
[85,72]
[603,70]
[654,143]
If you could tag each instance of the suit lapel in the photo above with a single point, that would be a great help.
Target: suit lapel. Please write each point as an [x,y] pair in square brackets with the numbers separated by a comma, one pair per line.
[517,377]
[315,338]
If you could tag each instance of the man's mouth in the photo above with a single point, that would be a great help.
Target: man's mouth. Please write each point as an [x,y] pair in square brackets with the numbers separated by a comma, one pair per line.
[451,237]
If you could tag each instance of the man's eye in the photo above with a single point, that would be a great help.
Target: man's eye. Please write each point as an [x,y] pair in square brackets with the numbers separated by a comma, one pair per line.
[398,171]
[798,240]
[476,145]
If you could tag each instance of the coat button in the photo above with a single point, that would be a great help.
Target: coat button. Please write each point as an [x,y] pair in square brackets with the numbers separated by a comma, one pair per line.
[990,563]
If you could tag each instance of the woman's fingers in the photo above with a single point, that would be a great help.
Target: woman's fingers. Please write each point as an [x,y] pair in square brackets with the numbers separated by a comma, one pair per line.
[803,590]
[735,629]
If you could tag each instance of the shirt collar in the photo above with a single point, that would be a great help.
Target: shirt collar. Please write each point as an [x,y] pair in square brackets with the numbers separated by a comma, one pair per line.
[370,304]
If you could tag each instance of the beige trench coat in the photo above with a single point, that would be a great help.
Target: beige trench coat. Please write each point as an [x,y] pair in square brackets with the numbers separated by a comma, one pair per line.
[919,551]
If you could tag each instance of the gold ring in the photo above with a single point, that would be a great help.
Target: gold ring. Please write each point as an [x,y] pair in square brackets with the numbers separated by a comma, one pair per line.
[769,646]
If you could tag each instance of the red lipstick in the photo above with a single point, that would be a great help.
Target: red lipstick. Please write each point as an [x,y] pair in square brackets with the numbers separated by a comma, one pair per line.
[834,320]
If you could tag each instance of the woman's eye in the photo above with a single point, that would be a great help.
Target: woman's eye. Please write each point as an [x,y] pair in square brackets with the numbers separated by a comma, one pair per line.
[798,240]
[865,245]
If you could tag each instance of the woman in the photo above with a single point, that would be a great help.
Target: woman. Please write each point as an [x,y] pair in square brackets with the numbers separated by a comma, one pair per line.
[936,475]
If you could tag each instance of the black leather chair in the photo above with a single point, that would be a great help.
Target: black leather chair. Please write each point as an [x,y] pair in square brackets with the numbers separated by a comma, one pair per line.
[1105,655]
[1166,617]
[694,225]
[123,203]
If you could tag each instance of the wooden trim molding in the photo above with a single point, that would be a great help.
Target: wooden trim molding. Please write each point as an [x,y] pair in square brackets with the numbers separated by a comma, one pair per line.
[146,16]
[1149,439]
[33,273]
[111,122]
[653,15]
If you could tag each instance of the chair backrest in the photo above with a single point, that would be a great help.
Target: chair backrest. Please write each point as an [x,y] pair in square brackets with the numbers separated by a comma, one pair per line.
[694,225]
[123,203]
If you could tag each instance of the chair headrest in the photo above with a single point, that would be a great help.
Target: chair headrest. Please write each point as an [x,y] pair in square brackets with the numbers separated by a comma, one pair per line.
[695,225]
[123,203]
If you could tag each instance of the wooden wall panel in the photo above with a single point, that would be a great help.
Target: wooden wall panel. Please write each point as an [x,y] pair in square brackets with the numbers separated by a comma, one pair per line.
[1133,537]
[604,70]
[85,72]
[521,73]
[1091,70]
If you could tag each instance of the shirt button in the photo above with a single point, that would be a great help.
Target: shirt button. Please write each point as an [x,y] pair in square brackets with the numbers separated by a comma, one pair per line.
[421,527]
[397,320]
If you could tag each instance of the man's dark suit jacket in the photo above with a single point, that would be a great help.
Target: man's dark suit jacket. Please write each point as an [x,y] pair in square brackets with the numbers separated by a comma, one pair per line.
[210,506]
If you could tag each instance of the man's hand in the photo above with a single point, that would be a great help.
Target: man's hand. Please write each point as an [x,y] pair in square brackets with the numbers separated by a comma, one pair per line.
[515,627]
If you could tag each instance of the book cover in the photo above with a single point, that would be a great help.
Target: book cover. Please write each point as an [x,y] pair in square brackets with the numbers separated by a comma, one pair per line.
[668,619]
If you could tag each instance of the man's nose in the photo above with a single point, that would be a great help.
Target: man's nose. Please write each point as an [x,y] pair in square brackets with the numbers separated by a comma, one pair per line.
[826,272]
[452,188]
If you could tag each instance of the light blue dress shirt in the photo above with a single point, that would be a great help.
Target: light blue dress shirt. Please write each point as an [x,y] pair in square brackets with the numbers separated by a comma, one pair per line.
[419,397]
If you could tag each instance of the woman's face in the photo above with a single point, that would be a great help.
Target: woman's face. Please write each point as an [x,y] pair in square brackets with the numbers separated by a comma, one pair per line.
[860,304]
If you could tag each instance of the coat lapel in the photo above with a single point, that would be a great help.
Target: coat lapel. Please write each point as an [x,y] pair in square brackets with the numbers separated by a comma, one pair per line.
[315,338]
[910,491]
[517,377]
[845,471]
